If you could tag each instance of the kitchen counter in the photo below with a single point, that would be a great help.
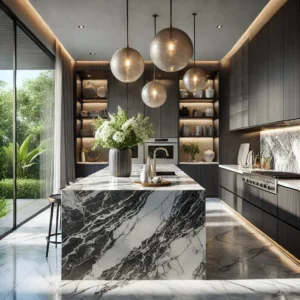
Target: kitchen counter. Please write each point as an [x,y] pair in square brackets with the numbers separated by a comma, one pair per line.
[292,184]
[113,229]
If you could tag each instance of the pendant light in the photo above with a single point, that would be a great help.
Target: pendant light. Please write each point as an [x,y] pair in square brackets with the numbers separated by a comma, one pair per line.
[127,64]
[171,48]
[154,94]
[194,79]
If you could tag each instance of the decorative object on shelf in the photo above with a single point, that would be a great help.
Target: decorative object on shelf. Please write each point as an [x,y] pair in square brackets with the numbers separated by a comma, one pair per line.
[183,93]
[88,91]
[209,112]
[94,154]
[192,149]
[194,79]
[171,48]
[83,154]
[154,94]
[184,111]
[103,113]
[93,114]
[199,130]
[198,94]
[197,113]
[209,92]
[185,131]
[209,155]
[127,64]
[120,134]
[144,174]
[204,130]
[101,92]
[210,130]
[84,113]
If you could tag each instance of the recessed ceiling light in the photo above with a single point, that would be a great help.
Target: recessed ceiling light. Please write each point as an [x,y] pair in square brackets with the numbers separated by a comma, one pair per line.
[219,26]
[92,53]
[81,26]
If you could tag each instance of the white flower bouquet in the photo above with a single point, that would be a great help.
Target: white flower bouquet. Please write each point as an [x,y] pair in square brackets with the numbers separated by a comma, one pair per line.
[120,132]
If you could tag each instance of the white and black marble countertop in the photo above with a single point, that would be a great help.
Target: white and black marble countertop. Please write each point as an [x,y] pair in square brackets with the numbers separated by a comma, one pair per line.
[290,183]
[102,180]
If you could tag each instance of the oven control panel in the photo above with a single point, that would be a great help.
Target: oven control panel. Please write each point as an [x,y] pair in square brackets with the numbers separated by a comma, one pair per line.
[262,182]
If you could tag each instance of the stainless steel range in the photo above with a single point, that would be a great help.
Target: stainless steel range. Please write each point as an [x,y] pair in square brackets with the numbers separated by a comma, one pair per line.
[267,180]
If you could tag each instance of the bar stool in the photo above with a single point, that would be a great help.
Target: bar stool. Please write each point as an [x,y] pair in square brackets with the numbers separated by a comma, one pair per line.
[54,200]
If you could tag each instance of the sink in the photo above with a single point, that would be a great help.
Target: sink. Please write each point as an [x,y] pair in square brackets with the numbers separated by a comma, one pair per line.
[165,173]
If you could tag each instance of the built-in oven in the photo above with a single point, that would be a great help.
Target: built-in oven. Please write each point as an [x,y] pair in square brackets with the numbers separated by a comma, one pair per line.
[171,144]
[137,154]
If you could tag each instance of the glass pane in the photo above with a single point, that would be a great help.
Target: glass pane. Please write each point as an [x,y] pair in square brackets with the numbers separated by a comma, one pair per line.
[6,122]
[35,116]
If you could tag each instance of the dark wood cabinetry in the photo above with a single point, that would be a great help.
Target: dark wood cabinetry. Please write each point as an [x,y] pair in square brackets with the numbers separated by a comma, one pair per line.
[278,216]
[239,88]
[289,206]
[273,73]
[291,58]
[262,76]
[205,175]
[275,106]
[117,92]
[135,103]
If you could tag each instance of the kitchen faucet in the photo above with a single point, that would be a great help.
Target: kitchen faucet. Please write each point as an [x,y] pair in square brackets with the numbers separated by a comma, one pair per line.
[154,158]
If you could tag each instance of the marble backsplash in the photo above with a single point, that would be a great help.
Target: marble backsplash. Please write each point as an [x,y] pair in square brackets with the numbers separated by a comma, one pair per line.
[283,146]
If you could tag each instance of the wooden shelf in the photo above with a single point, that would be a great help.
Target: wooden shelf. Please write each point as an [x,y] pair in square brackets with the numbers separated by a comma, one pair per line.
[93,100]
[196,118]
[198,100]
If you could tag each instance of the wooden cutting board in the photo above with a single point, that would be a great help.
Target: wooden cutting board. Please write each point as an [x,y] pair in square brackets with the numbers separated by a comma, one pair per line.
[152,184]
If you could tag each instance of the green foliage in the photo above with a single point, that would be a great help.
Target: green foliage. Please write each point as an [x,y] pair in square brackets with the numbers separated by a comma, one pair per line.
[191,148]
[35,107]
[25,159]
[26,188]
[3,207]
[120,132]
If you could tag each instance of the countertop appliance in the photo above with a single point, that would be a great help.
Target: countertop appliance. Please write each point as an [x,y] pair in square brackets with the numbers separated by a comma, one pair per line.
[170,144]
[267,180]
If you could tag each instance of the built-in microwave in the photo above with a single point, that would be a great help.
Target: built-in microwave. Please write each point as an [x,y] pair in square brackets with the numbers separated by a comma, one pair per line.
[171,144]
[137,154]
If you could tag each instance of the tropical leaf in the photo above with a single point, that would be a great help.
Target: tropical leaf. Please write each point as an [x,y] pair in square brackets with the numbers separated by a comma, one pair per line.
[39,153]
[27,166]
[23,152]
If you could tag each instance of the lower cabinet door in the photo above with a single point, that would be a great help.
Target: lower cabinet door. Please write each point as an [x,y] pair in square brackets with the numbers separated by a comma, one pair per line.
[289,238]
[253,214]
[270,226]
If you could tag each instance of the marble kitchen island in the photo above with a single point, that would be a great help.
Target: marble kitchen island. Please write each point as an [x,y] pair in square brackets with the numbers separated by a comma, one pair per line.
[113,229]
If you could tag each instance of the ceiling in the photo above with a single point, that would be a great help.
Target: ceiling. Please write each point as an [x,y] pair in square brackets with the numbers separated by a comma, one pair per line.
[105,24]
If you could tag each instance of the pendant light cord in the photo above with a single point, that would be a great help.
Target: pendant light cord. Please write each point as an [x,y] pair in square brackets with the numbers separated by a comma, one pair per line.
[127,24]
[171,25]
[154,16]
[194,14]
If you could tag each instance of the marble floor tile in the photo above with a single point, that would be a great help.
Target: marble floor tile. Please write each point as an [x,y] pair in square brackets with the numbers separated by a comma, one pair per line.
[240,265]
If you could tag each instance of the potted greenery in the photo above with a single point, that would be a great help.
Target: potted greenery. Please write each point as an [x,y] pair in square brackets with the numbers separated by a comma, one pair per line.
[120,134]
[192,149]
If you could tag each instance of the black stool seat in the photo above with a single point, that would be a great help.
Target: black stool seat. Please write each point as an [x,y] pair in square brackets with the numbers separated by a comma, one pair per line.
[55,200]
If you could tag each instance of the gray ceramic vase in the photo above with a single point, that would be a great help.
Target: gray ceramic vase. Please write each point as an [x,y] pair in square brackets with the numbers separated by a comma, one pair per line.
[120,162]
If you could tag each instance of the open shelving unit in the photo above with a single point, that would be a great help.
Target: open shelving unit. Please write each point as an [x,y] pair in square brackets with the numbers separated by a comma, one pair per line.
[84,124]
[206,142]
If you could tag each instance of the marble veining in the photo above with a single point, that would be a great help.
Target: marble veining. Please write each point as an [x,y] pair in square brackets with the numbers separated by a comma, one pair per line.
[115,234]
[283,146]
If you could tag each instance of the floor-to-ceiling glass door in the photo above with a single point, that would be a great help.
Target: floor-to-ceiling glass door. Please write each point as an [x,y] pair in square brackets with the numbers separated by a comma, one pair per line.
[26,123]
[6,122]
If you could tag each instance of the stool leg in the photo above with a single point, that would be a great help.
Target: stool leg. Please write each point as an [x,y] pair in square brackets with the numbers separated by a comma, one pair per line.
[50,227]
[57,216]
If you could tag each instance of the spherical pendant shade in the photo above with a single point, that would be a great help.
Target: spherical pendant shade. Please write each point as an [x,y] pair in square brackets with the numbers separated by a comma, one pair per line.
[194,79]
[154,94]
[171,49]
[127,65]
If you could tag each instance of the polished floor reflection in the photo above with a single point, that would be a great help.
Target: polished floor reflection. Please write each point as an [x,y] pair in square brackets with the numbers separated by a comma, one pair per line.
[234,253]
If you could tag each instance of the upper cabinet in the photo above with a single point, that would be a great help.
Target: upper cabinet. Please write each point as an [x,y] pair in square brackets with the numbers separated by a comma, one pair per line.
[265,74]
[291,60]
[239,88]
